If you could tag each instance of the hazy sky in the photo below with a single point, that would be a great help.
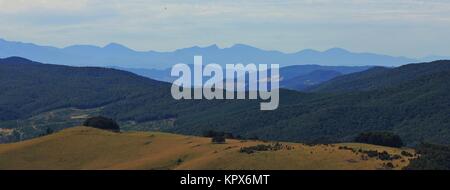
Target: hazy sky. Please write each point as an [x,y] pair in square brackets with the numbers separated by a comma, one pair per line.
[402,27]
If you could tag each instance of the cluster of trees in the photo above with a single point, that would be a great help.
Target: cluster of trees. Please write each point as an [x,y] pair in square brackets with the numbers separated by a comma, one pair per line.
[375,154]
[15,136]
[103,123]
[48,131]
[261,147]
[212,133]
[431,157]
[218,137]
[380,138]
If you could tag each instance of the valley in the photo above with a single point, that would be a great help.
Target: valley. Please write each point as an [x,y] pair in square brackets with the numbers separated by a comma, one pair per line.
[402,102]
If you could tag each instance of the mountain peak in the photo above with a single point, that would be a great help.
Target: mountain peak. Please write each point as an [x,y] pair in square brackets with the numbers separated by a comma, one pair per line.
[336,50]
[241,46]
[198,48]
[307,51]
[116,46]
[16,60]
[80,46]
[213,46]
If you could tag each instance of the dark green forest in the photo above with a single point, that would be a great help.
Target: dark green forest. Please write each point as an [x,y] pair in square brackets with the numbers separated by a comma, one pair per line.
[432,157]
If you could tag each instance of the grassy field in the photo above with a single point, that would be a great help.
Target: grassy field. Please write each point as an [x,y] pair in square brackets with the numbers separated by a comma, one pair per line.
[88,148]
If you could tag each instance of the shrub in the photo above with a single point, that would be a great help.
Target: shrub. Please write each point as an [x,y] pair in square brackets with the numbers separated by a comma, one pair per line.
[218,139]
[384,156]
[179,161]
[211,133]
[48,131]
[261,147]
[407,154]
[389,165]
[102,123]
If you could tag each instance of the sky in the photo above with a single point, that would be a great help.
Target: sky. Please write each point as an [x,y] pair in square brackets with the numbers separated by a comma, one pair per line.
[412,28]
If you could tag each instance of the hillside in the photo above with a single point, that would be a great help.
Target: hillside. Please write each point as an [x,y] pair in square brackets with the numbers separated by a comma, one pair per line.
[293,71]
[287,73]
[416,109]
[40,96]
[381,77]
[303,82]
[88,148]
[30,88]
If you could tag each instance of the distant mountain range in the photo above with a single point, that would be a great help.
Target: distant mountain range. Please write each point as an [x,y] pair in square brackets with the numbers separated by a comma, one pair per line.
[411,101]
[301,77]
[296,77]
[157,65]
[117,55]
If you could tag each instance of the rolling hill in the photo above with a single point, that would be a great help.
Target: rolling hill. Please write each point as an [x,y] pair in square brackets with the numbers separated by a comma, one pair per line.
[303,82]
[415,108]
[415,105]
[89,148]
[381,77]
[30,88]
[293,71]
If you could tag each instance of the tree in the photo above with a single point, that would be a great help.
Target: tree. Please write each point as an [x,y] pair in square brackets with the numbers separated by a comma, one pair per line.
[380,138]
[49,131]
[218,139]
[104,123]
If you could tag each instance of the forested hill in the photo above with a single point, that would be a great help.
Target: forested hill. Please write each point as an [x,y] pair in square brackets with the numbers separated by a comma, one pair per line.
[412,101]
[381,77]
[29,88]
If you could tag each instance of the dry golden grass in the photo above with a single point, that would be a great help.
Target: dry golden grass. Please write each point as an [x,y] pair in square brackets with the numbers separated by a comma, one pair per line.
[88,148]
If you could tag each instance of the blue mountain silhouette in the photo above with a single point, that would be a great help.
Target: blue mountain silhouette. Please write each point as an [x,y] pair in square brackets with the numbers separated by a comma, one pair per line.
[117,55]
